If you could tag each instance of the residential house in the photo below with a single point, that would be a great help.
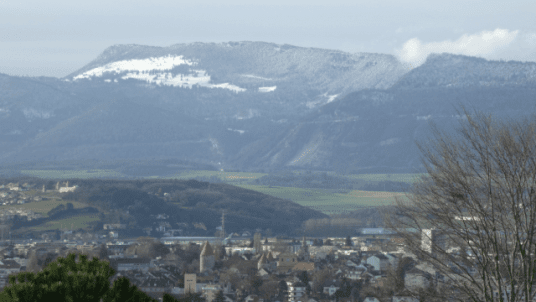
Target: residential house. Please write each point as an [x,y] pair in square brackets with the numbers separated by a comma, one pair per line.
[355,273]
[116,249]
[417,279]
[379,262]
[321,252]
[296,290]
[393,259]
[114,226]
[156,285]
[331,286]
[253,298]
[9,267]
[304,266]
[126,264]
[264,273]
[351,263]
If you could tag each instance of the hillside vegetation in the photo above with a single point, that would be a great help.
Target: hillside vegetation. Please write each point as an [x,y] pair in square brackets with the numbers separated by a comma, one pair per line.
[190,203]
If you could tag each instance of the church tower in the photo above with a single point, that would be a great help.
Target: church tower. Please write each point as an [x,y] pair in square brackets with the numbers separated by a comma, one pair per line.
[304,250]
[261,263]
[206,258]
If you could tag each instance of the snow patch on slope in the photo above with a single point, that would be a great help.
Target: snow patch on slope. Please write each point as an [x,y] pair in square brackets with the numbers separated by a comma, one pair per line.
[150,64]
[246,114]
[236,130]
[255,77]
[30,113]
[267,89]
[321,100]
[144,70]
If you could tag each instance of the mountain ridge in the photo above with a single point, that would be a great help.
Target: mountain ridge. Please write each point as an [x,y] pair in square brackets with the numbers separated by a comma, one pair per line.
[251,105]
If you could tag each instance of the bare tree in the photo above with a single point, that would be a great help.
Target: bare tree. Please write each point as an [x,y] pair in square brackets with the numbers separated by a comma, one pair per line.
[472,217]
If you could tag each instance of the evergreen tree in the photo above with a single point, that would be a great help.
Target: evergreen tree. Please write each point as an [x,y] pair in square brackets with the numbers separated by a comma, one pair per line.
[65,279]
[169,298]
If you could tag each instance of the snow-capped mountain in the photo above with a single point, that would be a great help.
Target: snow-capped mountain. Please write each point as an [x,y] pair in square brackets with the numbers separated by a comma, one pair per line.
[376,130]
[448,70]
[250,105]
[312,76]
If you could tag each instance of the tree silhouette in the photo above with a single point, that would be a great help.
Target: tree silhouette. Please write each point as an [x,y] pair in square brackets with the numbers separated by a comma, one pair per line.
[473,214]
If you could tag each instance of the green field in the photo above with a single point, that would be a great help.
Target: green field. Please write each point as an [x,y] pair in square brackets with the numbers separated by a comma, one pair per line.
[75,222]
[70,174]
[326,201]
[407,178]
[224,176]
[43,206]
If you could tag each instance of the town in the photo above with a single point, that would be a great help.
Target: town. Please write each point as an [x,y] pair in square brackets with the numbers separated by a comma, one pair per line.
[370,265]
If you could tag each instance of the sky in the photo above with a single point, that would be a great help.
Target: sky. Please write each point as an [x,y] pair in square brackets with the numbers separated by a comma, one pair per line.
[57,37]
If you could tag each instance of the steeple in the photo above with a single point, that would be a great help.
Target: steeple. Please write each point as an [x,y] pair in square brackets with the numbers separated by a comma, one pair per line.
[206,258]
[270,258]
[207,250]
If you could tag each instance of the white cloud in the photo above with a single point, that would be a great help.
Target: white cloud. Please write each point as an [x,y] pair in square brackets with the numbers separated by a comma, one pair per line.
[486,44]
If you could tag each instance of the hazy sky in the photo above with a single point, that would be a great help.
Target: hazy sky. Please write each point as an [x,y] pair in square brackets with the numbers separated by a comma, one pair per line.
[56,37]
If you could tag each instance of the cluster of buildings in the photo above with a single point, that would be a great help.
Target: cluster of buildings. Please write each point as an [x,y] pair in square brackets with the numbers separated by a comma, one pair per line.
[13,194]
[274,260]
[330,264]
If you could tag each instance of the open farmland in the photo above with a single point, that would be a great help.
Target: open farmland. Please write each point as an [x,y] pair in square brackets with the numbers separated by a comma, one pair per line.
[223,176]
[70,174]
[407,178]
[327,201]
[74,222]
[44,206]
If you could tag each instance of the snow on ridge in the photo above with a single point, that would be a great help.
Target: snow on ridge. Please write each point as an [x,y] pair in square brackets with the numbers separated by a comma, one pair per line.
[236,130]
[320,101]
[424,118]
[181,80]
[267,89]
[143,65]
[255,77]
[227,86]
[139,70]
[244,115]
[30,113]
